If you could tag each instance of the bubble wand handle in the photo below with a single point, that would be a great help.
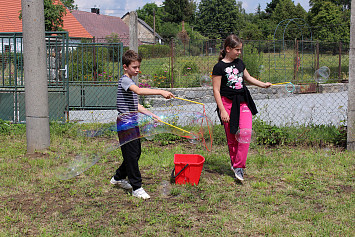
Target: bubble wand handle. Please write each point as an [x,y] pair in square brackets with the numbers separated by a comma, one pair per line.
[281,83]
[190,101]
[174,126]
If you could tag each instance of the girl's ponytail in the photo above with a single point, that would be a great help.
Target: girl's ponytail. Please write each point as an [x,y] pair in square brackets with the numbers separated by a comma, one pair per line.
[222,54]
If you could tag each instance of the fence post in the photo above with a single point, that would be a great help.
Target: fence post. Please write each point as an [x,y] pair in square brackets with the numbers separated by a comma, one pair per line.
[317,56]
[351,89]
[133,35]
[339,71]
[172,62]
[295,66]
[35,75]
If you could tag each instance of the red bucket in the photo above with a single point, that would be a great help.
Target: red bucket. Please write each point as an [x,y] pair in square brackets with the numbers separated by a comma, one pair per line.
[187,169]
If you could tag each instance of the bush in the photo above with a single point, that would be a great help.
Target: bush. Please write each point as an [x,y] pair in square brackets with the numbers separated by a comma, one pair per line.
[153,51]
[252,60]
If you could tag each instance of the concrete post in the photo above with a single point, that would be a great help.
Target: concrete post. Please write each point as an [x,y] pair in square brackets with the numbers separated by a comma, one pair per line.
[35,75]
[133,35]
[351,89]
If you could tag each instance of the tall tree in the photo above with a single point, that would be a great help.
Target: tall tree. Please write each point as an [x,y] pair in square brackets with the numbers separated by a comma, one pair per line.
[151,14]
[329,22]
[179,10]
[218,18]
[53,15]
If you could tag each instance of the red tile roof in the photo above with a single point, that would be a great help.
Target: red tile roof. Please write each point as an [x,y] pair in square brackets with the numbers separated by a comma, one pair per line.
[10,22]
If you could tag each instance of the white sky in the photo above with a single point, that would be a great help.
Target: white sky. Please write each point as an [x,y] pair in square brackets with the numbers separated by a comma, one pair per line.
[120,7]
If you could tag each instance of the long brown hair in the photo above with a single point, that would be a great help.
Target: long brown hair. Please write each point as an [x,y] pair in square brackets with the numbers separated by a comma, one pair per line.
[231,41]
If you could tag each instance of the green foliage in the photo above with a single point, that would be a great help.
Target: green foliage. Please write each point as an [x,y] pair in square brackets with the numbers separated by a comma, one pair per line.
[252,59]
[7,128]
[53,15]
[82,64]
[217,19]
[153,51]
[313,135]
[70,4]
[330,22]
[4,127]
[169,30]
[189,68]
[178,11]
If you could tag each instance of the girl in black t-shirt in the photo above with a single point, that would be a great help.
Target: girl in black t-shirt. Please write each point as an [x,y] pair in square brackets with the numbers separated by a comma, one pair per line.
[235,106]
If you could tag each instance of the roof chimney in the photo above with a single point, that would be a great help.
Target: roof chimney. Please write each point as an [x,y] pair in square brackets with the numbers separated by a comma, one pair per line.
[95,10]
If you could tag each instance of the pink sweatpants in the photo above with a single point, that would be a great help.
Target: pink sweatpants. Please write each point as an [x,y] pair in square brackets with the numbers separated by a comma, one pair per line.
[238,152]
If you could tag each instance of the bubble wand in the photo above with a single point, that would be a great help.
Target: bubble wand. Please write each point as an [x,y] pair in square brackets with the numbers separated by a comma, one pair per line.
[204,113]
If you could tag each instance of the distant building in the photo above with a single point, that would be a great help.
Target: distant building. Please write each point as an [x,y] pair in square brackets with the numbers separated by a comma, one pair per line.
[101,26]
[145,33]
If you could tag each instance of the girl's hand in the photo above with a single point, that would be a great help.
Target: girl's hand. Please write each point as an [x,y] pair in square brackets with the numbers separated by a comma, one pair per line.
[224,116]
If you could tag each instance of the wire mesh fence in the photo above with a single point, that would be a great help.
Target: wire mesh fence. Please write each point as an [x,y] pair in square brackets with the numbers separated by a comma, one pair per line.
[184,67]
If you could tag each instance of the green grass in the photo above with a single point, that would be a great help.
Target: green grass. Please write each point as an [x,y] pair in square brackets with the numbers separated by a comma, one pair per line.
[296,190]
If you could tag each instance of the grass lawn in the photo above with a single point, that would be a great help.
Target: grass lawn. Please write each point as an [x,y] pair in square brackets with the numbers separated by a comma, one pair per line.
[288,191]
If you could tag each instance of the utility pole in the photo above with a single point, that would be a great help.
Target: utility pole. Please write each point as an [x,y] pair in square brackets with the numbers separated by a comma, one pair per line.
[154,25]
[351,89]
[133,35]
[35,75]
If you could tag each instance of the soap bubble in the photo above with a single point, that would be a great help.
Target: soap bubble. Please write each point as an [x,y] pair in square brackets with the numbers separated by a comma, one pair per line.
[96,140]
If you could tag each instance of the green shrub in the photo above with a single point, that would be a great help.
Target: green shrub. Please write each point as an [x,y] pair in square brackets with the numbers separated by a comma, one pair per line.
[153,51]
[252,60]
[189,68]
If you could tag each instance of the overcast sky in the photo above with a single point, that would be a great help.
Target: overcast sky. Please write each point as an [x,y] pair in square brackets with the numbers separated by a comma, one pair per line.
[120,7]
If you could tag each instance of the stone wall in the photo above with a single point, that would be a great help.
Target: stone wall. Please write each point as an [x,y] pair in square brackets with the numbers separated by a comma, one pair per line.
[205,94]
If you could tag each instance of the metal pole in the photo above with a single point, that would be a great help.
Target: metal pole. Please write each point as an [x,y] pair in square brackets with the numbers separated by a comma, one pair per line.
[35,75]
[351,89]
[133,35]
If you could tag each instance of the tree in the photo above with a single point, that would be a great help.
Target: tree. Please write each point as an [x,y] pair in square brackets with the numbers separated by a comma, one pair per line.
[292,21]
[70,4]
[179,10]
[270,7]
[329,22]
[53,15]
[147,13]
[218,18]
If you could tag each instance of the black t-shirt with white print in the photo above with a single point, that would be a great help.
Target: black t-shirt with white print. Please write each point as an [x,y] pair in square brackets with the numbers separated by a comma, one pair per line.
[232,75]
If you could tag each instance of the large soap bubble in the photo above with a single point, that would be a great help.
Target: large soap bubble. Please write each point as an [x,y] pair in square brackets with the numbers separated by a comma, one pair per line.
[322,74]
[93,141]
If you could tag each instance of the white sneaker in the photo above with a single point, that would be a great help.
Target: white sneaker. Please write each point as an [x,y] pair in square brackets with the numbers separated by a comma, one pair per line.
[239,173]
[122,183]
[140,193]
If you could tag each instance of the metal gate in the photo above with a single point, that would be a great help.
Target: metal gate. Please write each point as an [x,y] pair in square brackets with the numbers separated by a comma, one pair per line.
[81,76]
[94,69]
[12,92]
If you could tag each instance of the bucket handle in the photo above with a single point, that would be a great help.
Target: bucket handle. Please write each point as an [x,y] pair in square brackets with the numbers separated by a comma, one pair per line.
[173,177]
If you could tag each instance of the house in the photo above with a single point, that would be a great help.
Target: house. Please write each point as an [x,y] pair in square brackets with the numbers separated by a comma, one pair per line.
[100,26]
[145,33]
[10,22]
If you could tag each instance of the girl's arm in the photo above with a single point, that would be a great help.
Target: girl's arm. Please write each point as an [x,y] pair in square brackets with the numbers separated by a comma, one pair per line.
[148,91]
[254,81]
[216,83]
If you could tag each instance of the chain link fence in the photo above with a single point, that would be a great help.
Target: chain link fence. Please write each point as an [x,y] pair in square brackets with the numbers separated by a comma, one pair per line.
[184,66]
